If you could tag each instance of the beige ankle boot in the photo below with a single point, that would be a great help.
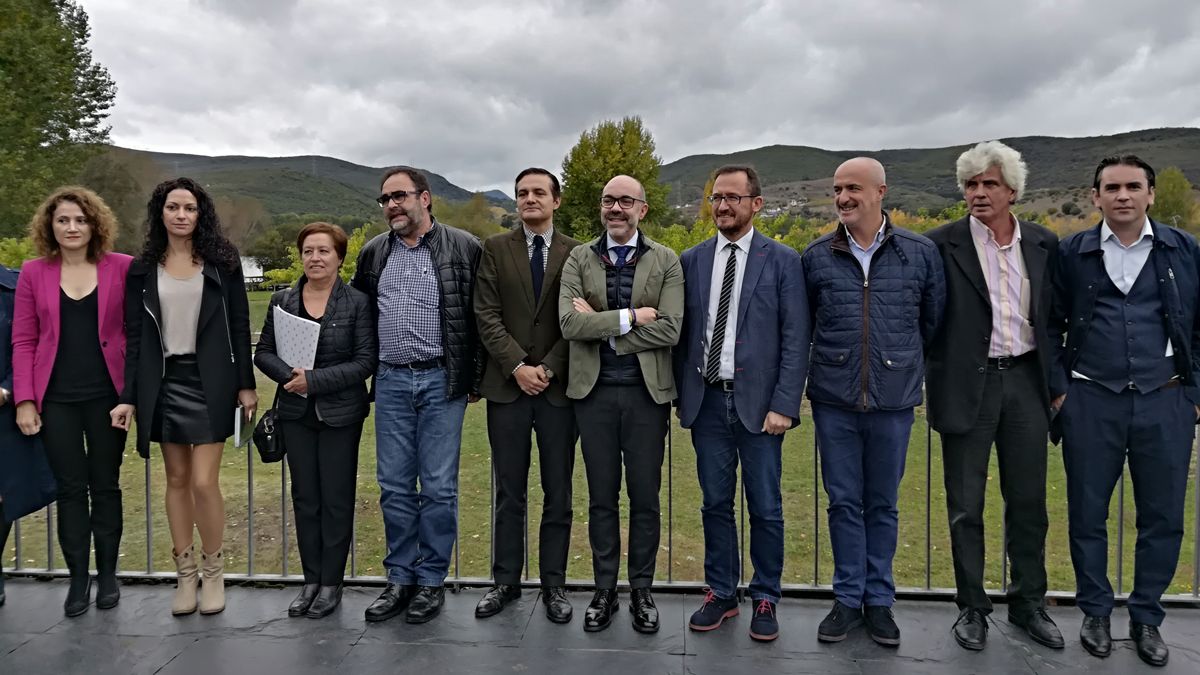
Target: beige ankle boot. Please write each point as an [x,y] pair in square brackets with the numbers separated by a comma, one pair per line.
[212,582]
[185,587]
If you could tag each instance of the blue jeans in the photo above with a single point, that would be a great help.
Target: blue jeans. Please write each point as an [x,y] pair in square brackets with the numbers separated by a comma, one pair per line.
[418,432]
[721,440]
[862,462]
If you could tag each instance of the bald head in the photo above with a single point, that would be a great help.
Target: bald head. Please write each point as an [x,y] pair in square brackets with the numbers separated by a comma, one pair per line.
[866,168]
[859,185]
[628,185]
[621,221]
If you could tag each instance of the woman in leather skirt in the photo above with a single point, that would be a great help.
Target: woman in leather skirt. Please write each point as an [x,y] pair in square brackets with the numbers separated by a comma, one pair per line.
[188,368]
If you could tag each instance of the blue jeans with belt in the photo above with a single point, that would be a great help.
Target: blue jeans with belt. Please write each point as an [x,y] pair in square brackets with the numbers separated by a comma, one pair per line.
[862,462]
[418,433]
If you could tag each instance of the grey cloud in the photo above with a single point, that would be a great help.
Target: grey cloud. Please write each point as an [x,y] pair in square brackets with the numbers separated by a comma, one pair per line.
[477,90]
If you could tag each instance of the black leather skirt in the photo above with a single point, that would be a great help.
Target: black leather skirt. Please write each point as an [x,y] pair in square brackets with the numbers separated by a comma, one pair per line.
[181,413]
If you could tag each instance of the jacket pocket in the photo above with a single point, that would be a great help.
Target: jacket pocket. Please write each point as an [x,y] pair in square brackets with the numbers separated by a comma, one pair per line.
[900,360]
[833,356]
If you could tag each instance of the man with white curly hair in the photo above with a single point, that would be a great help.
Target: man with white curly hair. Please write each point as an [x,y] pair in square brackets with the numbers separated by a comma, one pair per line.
[987,381]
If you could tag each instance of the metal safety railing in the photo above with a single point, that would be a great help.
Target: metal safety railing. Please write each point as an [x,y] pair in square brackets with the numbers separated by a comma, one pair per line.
[815,585]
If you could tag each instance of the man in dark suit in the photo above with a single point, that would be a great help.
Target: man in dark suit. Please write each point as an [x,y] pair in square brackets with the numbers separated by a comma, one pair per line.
[1126,384]
[987,384]
[516,307]
[740,366]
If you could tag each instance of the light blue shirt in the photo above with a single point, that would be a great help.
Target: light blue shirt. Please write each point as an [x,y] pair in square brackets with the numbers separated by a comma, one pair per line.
[863,255]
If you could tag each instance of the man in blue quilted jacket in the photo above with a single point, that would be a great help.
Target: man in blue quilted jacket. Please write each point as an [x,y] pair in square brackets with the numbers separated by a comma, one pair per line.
[876,294]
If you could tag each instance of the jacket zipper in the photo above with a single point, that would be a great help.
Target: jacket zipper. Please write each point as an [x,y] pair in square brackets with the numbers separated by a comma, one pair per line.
[225,311]
[866,340]
[161,345]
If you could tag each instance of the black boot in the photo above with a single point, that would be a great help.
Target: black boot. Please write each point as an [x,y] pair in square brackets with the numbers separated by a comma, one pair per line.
[106,524]
[5,526]
[79,595]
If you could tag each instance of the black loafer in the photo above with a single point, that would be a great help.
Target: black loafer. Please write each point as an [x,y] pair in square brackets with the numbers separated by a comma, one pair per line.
[108,591]
[79,596]
[495,600]
[1095,635]
[300,605]
[1150,645]
[839,622]
[645,613]
[392,601]
[327,600]
[599,612]
[425,604]
[1040,627]
[558,608]
[881,625]
[971,629]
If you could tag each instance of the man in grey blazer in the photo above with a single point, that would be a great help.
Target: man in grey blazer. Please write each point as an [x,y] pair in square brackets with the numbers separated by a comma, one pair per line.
[740,368]
[987,384]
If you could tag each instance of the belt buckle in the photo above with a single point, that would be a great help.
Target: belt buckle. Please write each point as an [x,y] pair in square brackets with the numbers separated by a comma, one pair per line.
[1004,362]
[727,386]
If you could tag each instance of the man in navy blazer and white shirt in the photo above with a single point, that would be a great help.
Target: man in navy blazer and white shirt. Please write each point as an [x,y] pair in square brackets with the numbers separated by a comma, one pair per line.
[740,367]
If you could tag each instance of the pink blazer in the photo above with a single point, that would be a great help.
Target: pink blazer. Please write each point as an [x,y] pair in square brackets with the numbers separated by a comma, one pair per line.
[36,323]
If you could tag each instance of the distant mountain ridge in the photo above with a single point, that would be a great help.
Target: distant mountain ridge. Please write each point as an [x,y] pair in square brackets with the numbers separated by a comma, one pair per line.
[925,177]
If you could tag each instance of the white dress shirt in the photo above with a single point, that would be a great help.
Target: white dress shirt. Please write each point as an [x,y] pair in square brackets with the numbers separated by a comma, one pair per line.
[721,256]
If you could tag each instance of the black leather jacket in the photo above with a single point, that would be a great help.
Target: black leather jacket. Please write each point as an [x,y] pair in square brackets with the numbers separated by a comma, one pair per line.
[456,255]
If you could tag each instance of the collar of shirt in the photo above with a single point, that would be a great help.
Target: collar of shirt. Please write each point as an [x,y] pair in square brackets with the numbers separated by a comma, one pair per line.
[984,235]
[742,244]
[610,244]
[874,242]
[1106,233]
[529,235]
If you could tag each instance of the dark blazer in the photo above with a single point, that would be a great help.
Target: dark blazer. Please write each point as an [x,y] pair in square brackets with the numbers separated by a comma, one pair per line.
[772,328]
[222,346]
[26,482]
[956,366]
[347,354]
[512,326]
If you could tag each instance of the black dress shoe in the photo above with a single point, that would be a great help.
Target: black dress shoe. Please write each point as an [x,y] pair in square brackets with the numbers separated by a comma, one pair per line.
[393,600]
[327,600]
[558,608]
[839,622]
[599,611]
[108,591]
[425,604]
[1150,645]
[1096,636]
[970,631]
[495,599]
[1040,627]
[79,595]
[300,605]
[645,614]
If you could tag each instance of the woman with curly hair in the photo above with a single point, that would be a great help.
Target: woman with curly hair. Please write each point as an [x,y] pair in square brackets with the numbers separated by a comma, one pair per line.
[187,368]
[68,340]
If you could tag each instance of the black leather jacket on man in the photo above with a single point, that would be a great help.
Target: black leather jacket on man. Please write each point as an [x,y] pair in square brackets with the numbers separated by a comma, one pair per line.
[456,255]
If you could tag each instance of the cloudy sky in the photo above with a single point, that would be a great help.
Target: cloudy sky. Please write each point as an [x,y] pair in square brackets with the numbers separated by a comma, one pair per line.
[478,90]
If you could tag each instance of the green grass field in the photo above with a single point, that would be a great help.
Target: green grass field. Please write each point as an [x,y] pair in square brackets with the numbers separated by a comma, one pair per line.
[681,557]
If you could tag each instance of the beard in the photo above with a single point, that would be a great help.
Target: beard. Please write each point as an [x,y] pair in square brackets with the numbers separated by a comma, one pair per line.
[411,224]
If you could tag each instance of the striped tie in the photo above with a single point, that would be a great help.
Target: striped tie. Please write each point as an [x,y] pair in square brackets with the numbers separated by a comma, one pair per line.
[712,369]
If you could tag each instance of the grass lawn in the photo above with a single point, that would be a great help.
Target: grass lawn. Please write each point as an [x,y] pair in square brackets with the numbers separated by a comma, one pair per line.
[923,522]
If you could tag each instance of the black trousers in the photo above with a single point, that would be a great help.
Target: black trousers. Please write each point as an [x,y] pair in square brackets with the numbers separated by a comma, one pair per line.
[509,427]
[1011,417]
[85,453]
[622,424]
[324,465]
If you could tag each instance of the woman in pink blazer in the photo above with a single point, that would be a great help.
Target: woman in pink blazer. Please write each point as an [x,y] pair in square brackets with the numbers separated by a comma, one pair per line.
[68,367]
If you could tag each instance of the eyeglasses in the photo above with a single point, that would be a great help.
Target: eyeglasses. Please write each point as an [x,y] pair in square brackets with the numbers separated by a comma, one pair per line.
[732,200]
[626,202]
[398,196]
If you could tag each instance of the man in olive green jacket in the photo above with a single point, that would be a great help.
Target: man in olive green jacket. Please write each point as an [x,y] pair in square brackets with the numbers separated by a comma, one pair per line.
[621,307]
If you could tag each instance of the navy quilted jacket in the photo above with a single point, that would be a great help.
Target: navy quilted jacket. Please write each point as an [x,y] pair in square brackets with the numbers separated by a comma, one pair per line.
[869,336]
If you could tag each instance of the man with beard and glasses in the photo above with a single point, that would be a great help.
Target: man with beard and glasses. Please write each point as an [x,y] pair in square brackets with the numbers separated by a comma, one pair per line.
[987,381]
[524,382]
[740,368]
[876,294]
[620,306]
[421,276]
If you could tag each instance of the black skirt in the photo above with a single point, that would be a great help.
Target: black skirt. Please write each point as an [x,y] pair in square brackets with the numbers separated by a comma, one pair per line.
[181,413]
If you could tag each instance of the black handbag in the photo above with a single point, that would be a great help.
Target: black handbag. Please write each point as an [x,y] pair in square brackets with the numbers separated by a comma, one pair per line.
[268,437]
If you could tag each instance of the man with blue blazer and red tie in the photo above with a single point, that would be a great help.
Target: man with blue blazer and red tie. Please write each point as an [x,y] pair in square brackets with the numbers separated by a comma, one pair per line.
[1125,385]
[740,367]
